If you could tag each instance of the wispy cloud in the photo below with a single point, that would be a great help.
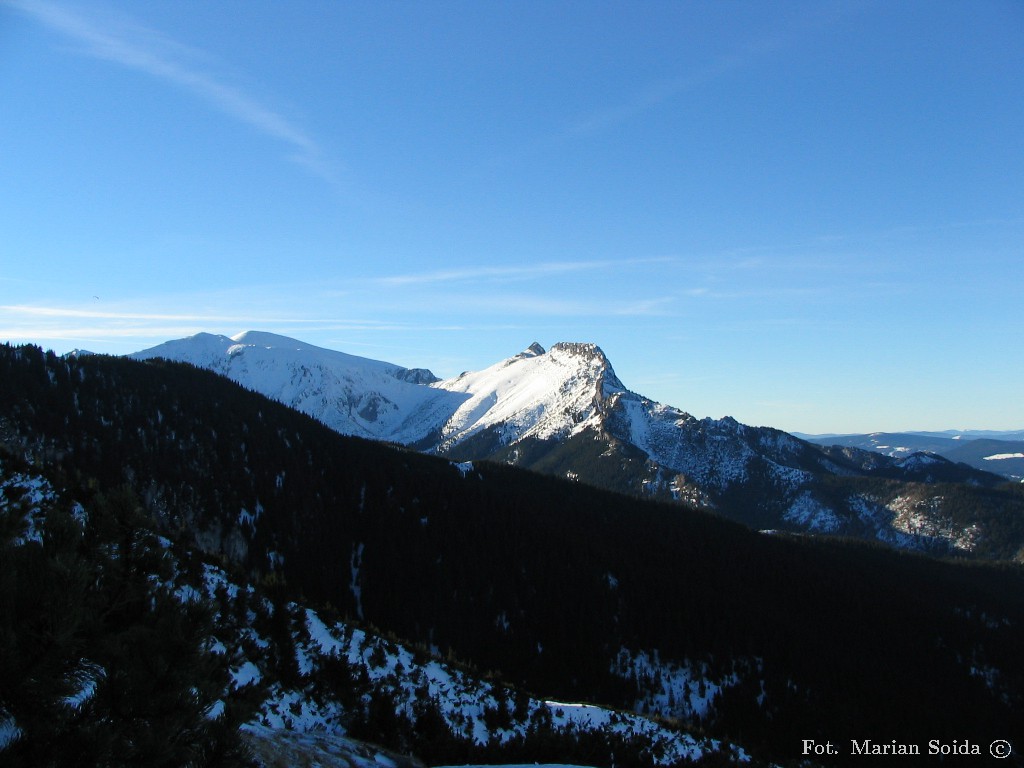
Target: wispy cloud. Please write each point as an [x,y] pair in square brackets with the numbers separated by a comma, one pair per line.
[122,328]
[129,329]
[510,273]
[488,290]
[648,97]
[68,312]
[653,94]
[472,306]
[136,47]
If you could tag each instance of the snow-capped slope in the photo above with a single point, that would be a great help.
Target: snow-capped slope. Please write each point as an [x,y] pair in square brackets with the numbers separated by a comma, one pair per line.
[713,453]
[534,394]
[564,411]
[542,394]
[352,395]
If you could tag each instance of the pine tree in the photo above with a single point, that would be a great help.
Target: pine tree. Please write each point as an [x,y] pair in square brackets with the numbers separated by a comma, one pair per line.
[102,664]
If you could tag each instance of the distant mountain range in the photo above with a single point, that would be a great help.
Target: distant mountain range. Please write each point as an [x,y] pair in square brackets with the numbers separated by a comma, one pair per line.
[988,450]
[946,434]
[565,412]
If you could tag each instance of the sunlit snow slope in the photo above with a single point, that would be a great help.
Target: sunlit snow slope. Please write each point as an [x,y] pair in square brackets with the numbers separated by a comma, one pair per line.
[536,393]
[352,395]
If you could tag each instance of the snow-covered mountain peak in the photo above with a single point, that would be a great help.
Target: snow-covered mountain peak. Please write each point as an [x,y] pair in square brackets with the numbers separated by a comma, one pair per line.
[552,394]
[353,395]
[538,393]
[533,394]
[208,350]
[594,358]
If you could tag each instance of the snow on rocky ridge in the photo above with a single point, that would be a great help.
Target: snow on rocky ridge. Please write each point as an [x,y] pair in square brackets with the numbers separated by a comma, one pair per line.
[538,393]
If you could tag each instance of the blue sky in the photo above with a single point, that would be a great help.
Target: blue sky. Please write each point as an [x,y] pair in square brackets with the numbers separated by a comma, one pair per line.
[807,215]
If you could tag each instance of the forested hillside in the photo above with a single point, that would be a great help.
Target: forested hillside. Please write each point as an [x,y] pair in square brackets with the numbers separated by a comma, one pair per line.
[123,648]
[562,589]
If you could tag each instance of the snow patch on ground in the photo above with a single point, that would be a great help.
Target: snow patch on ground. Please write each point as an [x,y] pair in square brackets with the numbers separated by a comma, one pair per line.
[478,710]
[464,467]
[925,518]
[297,711]
[246,674]
[31,494]
[86,677]
[672,689]
[313,748]
[812,515]
[9,730]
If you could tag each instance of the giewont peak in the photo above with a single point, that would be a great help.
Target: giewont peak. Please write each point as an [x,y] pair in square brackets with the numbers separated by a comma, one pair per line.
[594,358]
[585,350]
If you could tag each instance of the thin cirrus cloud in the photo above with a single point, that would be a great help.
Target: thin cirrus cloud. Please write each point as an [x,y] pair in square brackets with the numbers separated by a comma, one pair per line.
[522,305]
[37,322]
[108,334]
[653,94]
[37,311]
[145,50]
[480,289]
[514,273]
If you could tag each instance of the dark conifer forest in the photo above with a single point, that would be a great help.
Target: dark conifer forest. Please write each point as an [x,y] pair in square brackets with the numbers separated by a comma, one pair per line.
[539,582]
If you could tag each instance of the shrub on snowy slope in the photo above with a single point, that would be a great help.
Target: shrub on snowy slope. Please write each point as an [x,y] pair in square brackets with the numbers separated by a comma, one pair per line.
[121,648]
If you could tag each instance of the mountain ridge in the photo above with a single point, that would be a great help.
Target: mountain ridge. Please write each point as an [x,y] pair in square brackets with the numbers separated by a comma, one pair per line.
[564,411]
[999,452]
